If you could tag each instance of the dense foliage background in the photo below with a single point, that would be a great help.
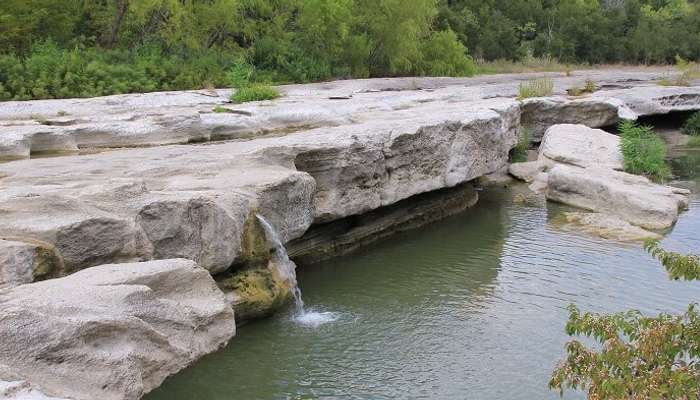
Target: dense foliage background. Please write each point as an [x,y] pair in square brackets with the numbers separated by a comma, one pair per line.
[61,48]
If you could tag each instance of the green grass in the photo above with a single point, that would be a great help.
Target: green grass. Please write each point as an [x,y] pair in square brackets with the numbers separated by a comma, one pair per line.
[522,147]
[644,151]
[588,87]
[255,92]
[694,141]
[539,87]
[529,64]
[692,125]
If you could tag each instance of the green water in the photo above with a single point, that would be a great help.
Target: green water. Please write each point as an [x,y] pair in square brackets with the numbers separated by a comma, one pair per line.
[472,307]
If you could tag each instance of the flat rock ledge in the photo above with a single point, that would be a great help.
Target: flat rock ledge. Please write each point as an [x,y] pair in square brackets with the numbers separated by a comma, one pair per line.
[109,332]
[579,166]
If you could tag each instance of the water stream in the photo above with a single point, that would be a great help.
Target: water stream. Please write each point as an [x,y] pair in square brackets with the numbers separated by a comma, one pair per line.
[287,270]
[472,307]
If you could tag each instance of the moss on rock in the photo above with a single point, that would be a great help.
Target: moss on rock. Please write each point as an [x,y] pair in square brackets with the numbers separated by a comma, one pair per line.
[256,293]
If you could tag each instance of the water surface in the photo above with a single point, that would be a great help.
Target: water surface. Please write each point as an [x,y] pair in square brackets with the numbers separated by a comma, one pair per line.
[472,307]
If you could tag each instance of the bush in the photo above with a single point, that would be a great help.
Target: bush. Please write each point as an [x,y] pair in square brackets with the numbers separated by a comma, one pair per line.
[255,92]
[536,88]
[444,55]
[644,152]
[692,125]
[637,357]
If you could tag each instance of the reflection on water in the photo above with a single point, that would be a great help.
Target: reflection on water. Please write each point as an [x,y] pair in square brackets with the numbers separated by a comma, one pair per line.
[470,308]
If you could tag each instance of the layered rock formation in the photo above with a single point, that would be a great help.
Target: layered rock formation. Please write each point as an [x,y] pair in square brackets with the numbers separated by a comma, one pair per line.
[162,176]
[607,107]
[580,166]
[109,332]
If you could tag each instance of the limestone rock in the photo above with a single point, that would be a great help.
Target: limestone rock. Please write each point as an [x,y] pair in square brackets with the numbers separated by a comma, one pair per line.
[22,262]
[113,331]
[524,171]
[607,107]
[633,198]
[580,146]
[256,293]
[541,113]
[608,227]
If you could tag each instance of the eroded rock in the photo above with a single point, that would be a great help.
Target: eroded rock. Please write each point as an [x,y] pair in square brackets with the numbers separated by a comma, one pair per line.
[113,331]
[607,226]
[632,198]
[22,262]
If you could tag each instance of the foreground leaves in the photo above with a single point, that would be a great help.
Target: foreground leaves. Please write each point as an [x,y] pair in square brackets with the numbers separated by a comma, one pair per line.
[638,357]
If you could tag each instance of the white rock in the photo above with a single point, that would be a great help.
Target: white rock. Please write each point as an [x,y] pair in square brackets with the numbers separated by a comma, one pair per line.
[110,332]
[22,262]
[608,226]
[632,198]
[580,146]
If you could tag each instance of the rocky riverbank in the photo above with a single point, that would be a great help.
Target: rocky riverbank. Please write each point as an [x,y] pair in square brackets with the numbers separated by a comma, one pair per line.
[332,166]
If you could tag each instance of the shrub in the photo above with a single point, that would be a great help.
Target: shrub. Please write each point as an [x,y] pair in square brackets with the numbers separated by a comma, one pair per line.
[644,151]
[638,357]
[255,92]
[536,88]
[590,86]
[444,55]
[692,125]
[522,147]
[694,141]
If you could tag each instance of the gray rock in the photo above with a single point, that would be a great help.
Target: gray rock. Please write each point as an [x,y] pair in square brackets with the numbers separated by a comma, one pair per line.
[22,263]
[525,171]
[606,226]
[110,332]
[607,107]
[193,201]
[632,198]
[579,146]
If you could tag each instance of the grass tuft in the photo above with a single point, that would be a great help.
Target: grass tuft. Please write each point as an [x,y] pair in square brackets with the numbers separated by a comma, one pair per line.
[255,92]
[644,151]
[536,88]
[523,146]
[692,125]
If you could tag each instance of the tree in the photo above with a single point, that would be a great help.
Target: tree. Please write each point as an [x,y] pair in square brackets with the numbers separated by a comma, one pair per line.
[640,357]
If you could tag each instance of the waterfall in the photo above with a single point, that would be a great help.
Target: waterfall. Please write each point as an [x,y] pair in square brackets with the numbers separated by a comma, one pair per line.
[287,271]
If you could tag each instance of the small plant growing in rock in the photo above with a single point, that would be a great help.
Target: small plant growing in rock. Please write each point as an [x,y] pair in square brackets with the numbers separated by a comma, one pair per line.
[536,88]
[692,125]
[62,113]
[574,91]
[522,147]
[590,86]
[644,151]
[240,77]
[255,93]
[220,109]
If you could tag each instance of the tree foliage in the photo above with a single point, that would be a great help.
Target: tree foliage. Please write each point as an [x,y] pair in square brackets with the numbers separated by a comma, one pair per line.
[639,357]
[138,45]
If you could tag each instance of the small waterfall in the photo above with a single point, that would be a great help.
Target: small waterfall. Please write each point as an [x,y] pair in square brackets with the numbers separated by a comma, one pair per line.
[287,270]
[286,267]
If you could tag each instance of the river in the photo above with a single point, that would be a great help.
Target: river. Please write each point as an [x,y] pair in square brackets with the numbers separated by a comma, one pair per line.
[472,307]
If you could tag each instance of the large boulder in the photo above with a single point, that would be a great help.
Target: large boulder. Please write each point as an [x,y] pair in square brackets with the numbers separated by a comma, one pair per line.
[580,166]
[110,332]
[580,146]
[630,197]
